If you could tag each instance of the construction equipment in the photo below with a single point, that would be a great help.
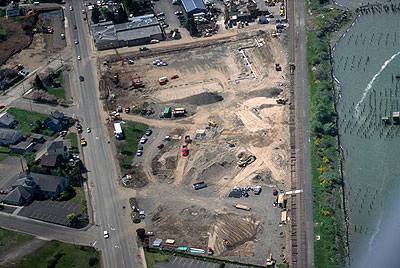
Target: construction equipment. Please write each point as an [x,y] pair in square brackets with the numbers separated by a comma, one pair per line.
[292,67]
[278,68]
[246,160]
[273,34]
[270,261]
[116,78]
[79,128]
[281,101]
[83,142]
[210,251]
[212,124]
[227,244]
[19,67]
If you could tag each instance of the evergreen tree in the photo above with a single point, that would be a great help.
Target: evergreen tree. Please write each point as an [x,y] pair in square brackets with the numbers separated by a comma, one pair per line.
[95,14]
[38,83]
[122,16]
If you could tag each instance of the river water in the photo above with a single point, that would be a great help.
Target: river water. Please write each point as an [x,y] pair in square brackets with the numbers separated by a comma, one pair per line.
[366,61]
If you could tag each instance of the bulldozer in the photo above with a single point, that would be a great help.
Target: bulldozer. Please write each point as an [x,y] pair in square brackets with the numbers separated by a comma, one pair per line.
[292,67]
[281,101]
[270,261]
[246,160]
[212,124]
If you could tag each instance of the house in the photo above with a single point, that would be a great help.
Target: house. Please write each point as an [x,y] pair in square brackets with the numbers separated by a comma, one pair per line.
[193,7]
[38,138]
[27,185]
[7,120]
[56,148]
[12,10]
[49,161]
[23,147]
[56,121]
[10,136]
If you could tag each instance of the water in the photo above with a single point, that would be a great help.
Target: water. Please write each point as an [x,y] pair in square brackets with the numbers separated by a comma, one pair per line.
[366,61]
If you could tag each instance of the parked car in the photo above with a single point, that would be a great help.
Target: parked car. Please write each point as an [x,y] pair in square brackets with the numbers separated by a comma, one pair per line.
[3,192]
[71,8]
[83,142]
[139,150]
[143,140]
[79,57]
[106,235]
[160,146]
[88,130]
[161,14]
[178,12]
[185,152]
[175,76]
[75,27]
[81,78]
[76,41]
[2,106]
[149,132]
[63,133]
[143,48]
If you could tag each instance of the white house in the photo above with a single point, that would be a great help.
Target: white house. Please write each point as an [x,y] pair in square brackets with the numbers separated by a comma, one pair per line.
[57,148]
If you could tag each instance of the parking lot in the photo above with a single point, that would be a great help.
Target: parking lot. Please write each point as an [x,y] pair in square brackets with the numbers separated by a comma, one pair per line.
[179,262]
[171,19]
[50,211]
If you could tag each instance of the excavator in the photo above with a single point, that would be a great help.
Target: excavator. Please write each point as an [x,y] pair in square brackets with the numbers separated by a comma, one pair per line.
[281,101]
[227,244]
[270,261]
[245,160]
[212,124]
[292,67]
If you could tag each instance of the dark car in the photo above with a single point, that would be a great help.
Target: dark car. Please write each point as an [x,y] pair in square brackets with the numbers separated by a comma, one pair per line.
[81,78]
[149,132]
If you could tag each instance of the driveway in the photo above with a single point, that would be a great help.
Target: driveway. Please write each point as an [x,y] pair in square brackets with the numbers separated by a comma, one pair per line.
[50,211]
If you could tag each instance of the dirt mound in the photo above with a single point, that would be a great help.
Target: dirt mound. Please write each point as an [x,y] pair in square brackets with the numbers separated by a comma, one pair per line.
[19,34]
[202,99]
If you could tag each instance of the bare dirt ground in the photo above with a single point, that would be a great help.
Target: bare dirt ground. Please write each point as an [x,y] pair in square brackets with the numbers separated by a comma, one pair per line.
[215,83]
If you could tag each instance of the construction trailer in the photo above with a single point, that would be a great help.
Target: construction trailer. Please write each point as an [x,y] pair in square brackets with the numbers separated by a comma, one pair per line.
[176,112]
[119,134]
[242,206]
[283,218]
[281,200]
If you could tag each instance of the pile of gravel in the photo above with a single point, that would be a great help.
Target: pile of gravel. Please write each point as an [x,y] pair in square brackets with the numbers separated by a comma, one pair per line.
[202,98]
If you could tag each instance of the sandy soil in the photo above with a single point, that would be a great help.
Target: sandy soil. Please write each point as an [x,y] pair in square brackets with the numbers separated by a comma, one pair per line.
[215,83]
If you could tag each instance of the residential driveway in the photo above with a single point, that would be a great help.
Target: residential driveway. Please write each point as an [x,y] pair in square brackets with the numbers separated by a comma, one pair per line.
[50,211]
[179,262]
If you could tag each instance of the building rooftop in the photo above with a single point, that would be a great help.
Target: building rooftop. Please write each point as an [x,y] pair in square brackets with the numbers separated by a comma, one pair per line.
[17,193]
[190,5]
[45,182]
[104,32]
[54,145]
[48,161]
[8,134]
[23,145]
[6,118]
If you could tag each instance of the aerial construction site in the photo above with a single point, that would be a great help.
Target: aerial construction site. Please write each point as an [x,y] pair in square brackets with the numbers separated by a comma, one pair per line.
[217,161]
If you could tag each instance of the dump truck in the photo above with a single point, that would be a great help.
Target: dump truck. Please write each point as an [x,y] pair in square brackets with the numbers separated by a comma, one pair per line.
[292,67]
[241,206]
[246,160]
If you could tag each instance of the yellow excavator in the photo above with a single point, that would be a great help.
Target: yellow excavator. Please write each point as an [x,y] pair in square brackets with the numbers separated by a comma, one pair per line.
[292,67]
[270,261]
[212,124]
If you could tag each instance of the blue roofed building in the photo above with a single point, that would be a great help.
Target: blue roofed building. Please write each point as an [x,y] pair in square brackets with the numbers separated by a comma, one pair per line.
[193,7]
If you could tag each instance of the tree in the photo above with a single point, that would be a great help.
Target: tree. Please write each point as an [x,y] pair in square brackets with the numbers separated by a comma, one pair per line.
[72,218]
[93,261]
[330,129]
[191,26]
[134,7]
[316,126]
[37,127]
[29,159]
[332,176]
[323,113]
[122,16]
[95,14]
[38,83]
[109,16]
[141,233]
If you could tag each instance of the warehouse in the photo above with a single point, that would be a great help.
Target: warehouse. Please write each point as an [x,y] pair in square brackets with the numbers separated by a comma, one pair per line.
[138,31]
[193,7]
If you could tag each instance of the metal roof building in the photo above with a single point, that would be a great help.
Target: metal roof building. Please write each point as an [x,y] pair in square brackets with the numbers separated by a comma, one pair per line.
[193,7]
[137,31]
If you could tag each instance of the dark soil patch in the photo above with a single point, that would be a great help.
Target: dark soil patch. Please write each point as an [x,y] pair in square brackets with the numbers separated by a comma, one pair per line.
[170,162]
[139,178]
[202,99]
[267,93]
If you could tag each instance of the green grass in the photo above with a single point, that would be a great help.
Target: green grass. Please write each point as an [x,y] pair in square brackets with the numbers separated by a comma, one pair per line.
[73,137]
[59,93]
[24,118]
[79,197]
[72,256]
[3,156]
[126,149]
[152,258]
[10,239]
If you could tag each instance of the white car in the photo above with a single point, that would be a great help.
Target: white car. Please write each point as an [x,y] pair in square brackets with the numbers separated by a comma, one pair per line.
[70,8]
[79,57]
[106,235]
[143,140]
[156,62]
[88,130]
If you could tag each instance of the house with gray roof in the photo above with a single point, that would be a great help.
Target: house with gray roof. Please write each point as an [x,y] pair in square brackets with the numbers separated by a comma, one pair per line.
[10,136]
[56,148]
[193,7]
[137,31]
[56,121]
[7,120]
[28,185]
[23,147]
[12,9]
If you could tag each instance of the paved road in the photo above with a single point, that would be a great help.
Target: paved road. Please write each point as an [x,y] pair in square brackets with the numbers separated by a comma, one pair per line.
[117,251]
[48,231]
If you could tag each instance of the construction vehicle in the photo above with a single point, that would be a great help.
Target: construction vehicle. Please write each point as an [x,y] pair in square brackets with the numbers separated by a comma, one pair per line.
[278,68]
[270,261]
[227,244]
[212,124]
[246,160]
[127,109]
[292,67]
[210,251]
[281,101]
[79,128]
[19,67]
[116,78]
[273,34]
[242,206]
[83,142]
